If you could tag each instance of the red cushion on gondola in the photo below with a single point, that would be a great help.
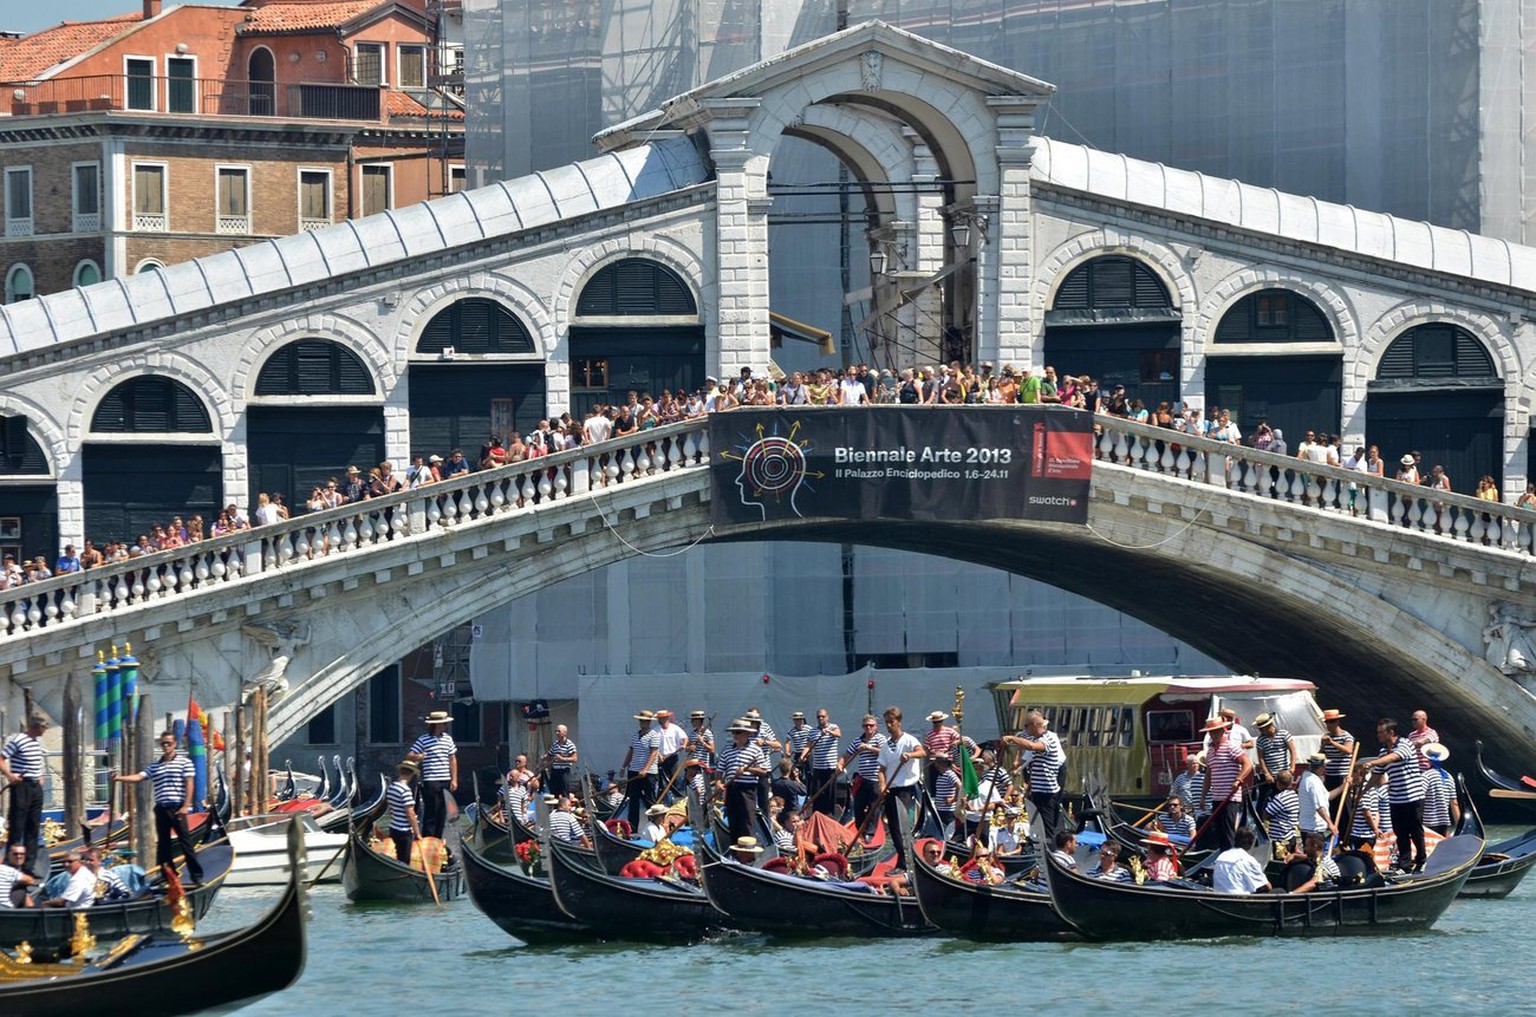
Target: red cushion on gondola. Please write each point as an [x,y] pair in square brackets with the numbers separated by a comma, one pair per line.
[776,865]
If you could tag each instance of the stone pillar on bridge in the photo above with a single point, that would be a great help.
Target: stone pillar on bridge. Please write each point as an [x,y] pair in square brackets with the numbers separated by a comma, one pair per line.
[922,319]
[1005,326]
[741,236]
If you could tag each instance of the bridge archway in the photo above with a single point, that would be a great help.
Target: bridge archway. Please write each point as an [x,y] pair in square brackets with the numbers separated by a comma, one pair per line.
[635,329]
[29,498]
[1262,366]
[1114,318]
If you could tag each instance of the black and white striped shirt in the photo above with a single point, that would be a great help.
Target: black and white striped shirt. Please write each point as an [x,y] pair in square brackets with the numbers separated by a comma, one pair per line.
[8,877]
[765,733]
[1284,813]
[1438,789]
[1405,779]
[1000,779]
[1184,826]
[170,779]
[867,763]
[701,745]
[1045,767]
[1117,874]
[1275,750]
[561,747]
[946,790]
[735,759]
[1338,760]
[24,755]
[402,798]
[1189,790]
[1370,803]
[796,739]
[435,752]
[514,801]
[824,746]
[641,745]
[567,827]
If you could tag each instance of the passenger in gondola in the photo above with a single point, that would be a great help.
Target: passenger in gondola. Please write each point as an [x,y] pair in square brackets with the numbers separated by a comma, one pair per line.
[932,852]
[741,764]
[1189,786]
[1235,871]
[515,797]
[1281,814]
[1064,850]
[1442,810]
[1109,866]
[787,785]
[1314,849]
[109,888]
[80,890]
[610,795]
[786,828]
[655,829]
[1227,769]
[1366,828]
[564,824]
[1175,820]
[946,793]
[1009,829]
[14,879]
[1161,865]
[520,774]
[404,825]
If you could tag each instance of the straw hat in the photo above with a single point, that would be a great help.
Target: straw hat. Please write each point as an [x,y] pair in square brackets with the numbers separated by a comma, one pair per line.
[1406,460]
[1317,759]
[1215,724]
[656,810]
[645,715]
[439,717]
[1434,750]
[1333,715]
[747,844]
[1264,720]
[937,715]
[697,715]
[741,725]
[1158,839]
[408,765]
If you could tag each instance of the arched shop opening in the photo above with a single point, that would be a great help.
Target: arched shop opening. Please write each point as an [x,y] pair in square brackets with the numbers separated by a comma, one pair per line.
[1437,392]
[1251,368]
[1113,318]
[637,329]
[478,372]
[29,501]
[151,456]
[314,412]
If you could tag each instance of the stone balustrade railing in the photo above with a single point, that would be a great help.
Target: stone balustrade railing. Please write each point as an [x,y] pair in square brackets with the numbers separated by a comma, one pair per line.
[467,499]
[1248,471]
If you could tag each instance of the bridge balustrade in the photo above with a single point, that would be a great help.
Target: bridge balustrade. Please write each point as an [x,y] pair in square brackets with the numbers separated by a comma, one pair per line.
[1331,489]
[465,500]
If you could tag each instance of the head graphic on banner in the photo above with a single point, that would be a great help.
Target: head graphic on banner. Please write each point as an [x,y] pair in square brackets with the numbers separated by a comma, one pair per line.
[772,468]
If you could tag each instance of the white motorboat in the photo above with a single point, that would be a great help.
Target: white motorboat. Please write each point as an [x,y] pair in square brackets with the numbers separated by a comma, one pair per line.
[261,850]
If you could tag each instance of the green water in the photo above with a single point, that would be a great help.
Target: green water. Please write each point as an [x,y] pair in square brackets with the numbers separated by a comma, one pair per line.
[389,960]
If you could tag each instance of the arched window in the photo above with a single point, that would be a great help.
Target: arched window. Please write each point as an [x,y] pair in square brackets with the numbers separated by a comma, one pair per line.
[475,325]
[1274,316]
[1433,351]
[147,265]
[20,453]
[18,284]
[314,367]
[636,287]
[87,273]
[151,405]
[1111,281]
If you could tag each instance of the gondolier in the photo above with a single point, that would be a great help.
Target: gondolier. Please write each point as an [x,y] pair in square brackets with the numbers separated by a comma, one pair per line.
[798,738]
[900,774]
[671,741]
[172,776]
[404,826]
[742,764]
[1405,791]
[1045,768]
[767,739]
[865,755]
[22,763]
[701,751]
[1227,768]
[562,757]
[640,767]
[1338,746]
[826,739]
[438,758]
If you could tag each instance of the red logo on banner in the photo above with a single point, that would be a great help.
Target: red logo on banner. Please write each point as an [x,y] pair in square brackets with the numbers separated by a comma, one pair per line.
[1068,455]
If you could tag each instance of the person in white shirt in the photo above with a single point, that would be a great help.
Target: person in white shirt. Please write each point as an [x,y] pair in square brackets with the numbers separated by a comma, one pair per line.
[80,891]
[1235,871]
[13,877]
[1313,793]
[655,829]
[1065,851]
[900,774]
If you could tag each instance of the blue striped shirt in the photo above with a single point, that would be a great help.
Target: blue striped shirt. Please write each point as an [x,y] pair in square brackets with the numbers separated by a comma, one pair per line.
[946,790]
[796,739]
[734,760]
[1438,791]
[1184,826]
[1284,813]
[1338,761]
[562,747]
[1117,874]
[567,827]
[170,779]
[1405,778]
[765,733]
[1045,767]
[435,752]
[701,745]
[24,754]
[8,877]
[1275,750]
[1370,802]
[867,763]
[824,747]
[1189,790]
[641,745]
[402,798]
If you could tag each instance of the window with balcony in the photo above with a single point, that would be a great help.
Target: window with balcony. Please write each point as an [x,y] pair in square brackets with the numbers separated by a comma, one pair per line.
[86,203]
[149,198]
[139,88]
[19,284]
[18,201]
[368,63]
[181,84]
[314,199]
[233,217]
[413,66]
[377,189]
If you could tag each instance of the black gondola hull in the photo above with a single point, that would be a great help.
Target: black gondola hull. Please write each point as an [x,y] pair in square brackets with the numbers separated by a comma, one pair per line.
[1002,913]
[522,906]
[1501,868]
[367,876]
[614,851]
[628,909]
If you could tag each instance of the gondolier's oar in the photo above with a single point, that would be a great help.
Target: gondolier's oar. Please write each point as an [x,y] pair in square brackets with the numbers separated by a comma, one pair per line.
[1505,792]
[427,864]
[1178,855]
[1344,797]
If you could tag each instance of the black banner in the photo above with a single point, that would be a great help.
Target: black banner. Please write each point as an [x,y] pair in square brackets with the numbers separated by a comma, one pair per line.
[1013,462]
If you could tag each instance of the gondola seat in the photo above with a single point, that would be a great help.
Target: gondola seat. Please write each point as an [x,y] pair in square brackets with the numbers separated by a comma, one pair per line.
[1296,873]
[620,828]
[779,865]
[833,862]
[1355,868]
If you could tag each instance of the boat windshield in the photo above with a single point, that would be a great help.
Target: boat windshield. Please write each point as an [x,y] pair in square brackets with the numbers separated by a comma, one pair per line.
[1295,712]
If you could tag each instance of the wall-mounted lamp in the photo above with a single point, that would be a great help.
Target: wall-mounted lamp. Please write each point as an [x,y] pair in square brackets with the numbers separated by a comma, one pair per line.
[181,48]
[877,260]
[962,222]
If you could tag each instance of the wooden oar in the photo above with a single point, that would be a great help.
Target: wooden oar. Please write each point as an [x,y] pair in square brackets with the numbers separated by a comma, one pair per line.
[1504,792]
[1338,818]
[1178,856]
[429,864]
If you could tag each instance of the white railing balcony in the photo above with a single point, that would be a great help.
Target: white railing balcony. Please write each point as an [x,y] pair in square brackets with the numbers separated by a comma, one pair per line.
[234,225]
[306,225]
[150,222]
[87,222]
[18,227]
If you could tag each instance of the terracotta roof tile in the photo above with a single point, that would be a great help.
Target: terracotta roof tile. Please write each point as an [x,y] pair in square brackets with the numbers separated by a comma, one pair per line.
[28,57]
[403,104]
[304,17]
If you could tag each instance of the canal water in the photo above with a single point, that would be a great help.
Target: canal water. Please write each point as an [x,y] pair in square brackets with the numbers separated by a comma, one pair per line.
[390,960]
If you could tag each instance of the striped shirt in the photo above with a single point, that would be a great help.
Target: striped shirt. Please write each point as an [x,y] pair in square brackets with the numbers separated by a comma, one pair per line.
[561,747]
[24,754]
[1224,762]
[1283,812]
[868,763]
[941,742]
[1045,767]
[765,733]
[8,877]
[701,745]
[1184,826]
[735,759]
[1405,778]
[567,827]
[824,746]
[1275,751]
[641,745]
[1000,779]
[797,739]
[402,798]
[1328,869]
[1117,874]
[110,887]
[435,751]
[170,779]
[946,790]
[1338,760]
[1438,789]
[514,801]
[1369,805]
[1189,790]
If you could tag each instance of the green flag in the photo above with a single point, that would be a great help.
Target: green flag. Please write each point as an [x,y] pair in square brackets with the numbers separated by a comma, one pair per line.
[968,782]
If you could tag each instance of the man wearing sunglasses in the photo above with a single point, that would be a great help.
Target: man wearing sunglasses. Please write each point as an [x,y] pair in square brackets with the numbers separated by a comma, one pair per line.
[171,775]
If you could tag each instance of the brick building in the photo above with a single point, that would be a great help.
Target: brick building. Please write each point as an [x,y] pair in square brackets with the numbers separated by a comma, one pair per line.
[165,134]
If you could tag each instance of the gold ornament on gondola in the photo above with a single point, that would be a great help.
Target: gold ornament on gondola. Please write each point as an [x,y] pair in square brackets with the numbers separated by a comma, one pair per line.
[24,952]
[82,942]
[183,924]
[1137,869]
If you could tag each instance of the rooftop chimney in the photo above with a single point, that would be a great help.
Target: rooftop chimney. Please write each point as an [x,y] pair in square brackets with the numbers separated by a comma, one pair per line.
[151,9]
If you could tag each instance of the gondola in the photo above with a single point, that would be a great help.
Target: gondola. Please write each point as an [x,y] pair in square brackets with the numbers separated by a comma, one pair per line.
[787,905]
[49,928]
[1100,909]
[521,905]
[614,851]
[1503,865]
[168,974]
[367,875]
[1520,790]
[359,812]
[627,909]
[1007,912]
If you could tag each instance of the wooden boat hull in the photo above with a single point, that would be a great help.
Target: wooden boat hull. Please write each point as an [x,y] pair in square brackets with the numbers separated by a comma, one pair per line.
[789,906]
[1501,868]
[1104,910]
[368,876]
[1004,913]
[631,909]
[521,905]
[49,928]
[167,976]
